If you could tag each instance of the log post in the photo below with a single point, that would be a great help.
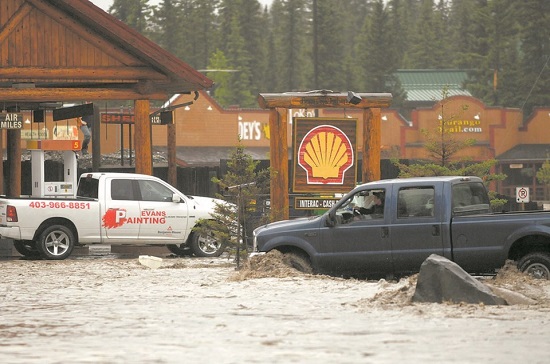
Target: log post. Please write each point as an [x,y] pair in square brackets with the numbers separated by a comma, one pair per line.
[142,137]
[96,135]
[279,164]
[171,140]
[2,162]
[14,162]
[372,142]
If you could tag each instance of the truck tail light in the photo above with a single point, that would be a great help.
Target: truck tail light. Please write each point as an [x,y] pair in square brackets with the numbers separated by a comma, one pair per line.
[11,214]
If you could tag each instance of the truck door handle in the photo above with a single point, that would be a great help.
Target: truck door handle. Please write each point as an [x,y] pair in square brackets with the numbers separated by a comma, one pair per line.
[385,232]
[435,230]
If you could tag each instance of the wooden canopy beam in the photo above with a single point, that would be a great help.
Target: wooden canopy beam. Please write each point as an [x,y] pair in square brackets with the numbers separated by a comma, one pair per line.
[82,73]
[371,103]
[73,94]
[321,99]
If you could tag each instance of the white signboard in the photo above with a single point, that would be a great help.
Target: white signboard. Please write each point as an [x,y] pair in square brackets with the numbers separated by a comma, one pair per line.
[65,132]
[522,194]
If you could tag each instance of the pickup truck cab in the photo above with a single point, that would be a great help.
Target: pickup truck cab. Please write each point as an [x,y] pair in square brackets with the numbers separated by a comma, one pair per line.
[416,217]
[109,208]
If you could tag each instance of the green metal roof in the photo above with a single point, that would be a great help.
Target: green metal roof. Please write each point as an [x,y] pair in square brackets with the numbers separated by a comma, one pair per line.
[428,85]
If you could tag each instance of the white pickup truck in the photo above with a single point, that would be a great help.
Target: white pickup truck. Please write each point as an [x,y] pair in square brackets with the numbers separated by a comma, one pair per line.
[109,208]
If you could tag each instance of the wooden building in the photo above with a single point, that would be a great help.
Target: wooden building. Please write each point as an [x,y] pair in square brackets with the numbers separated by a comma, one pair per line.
[54,51]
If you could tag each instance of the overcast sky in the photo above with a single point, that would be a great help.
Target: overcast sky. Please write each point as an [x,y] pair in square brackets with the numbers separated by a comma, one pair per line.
[105,4]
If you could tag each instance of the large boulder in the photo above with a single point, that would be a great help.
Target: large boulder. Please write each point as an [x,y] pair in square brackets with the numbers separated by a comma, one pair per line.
[441,280]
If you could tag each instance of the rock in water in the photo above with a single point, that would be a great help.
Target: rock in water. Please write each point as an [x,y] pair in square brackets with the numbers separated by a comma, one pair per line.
[441,280]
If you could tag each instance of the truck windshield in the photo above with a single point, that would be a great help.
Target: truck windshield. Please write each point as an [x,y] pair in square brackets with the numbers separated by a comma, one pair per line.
[87,187]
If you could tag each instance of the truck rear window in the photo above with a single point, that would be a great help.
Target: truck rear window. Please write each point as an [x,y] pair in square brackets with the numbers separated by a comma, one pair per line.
[470,198]
[87,187]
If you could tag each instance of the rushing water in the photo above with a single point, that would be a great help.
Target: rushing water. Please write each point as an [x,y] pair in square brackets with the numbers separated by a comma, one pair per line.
[104,309]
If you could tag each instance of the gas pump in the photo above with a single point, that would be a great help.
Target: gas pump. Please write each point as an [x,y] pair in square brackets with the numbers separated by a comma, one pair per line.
[65,188]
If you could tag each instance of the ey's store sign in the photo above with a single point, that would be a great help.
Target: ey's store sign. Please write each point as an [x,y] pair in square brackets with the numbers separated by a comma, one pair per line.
[325,155]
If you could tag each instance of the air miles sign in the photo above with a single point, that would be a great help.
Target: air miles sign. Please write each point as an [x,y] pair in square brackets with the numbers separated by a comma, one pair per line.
[325,154]
[11,121]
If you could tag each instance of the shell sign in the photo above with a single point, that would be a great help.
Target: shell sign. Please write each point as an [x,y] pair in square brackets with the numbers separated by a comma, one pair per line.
[325,158]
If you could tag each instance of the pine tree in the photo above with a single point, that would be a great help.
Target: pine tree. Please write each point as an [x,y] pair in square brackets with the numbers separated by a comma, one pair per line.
[253,32]
[269,81]
[222,90]
[352,17]
[373,49]
[425,43]
[244,184]
[534,85]
[135,13]
[378,61]
[200,32]
[292,45]
[240,82]
[328,46]
[239,56]
[168,26]
[492,64]
[397,31]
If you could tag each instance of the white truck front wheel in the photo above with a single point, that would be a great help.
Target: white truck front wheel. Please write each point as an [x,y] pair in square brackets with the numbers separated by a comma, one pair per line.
[205,244]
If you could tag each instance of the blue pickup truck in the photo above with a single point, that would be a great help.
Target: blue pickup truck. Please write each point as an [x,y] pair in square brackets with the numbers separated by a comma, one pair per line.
[389,227]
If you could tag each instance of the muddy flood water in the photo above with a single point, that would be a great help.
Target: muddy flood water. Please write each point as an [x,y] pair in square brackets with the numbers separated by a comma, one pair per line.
[105,308]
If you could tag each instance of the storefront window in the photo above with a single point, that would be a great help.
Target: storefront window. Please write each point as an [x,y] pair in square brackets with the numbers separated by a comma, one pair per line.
[522,175]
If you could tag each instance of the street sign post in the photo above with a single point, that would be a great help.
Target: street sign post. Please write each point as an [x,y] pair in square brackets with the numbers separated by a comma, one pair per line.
[522,194]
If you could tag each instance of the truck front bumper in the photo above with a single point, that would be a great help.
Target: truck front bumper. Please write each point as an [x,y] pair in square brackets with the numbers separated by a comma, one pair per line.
[255,254]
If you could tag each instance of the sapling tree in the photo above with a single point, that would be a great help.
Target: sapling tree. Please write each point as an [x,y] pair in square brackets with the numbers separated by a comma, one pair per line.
[243,188]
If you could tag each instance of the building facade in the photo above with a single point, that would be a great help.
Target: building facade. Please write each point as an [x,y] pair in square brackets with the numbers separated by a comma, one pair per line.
[207,133]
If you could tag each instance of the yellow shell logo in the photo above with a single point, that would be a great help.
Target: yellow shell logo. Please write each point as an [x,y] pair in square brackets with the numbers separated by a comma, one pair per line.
[325,154]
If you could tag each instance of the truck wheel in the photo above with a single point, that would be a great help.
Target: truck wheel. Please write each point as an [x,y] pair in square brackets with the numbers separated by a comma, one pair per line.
[298,261]
[56,242]
[179,250]
[205,245]
[536,265]
[26,248]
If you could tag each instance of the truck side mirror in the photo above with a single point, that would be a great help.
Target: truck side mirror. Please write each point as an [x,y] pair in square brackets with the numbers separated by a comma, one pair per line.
[176,198]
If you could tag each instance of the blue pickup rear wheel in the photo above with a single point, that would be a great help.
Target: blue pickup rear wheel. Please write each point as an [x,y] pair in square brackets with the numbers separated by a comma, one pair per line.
[56,242]
[536,265]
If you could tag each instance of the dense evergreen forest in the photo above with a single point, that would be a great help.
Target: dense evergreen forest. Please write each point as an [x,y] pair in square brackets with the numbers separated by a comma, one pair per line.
[340,45]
